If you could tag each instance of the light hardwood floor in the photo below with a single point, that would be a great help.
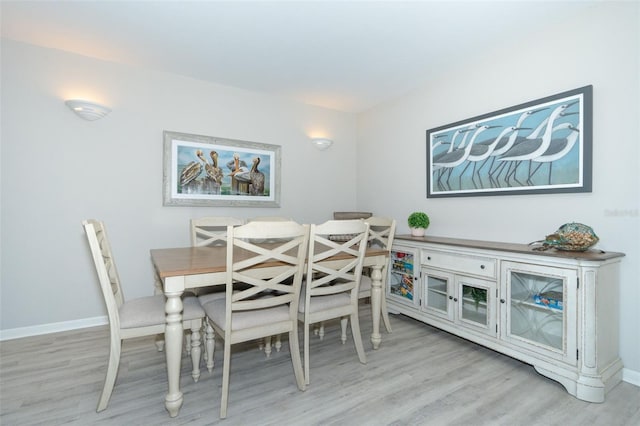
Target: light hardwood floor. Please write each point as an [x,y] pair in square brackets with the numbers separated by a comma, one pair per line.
[419,376]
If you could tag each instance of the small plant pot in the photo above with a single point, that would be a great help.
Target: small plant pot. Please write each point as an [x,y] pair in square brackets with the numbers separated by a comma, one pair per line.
[417,232]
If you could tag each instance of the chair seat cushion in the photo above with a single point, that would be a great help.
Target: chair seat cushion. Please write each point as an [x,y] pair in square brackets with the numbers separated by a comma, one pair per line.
[216,311]
[321,303]
[148,311]
[210,297]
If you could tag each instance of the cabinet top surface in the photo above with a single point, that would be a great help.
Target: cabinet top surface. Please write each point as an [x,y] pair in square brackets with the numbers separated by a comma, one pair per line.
[592,254]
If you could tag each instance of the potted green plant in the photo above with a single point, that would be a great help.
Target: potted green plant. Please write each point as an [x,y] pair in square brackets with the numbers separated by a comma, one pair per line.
[477,294]
[418,222]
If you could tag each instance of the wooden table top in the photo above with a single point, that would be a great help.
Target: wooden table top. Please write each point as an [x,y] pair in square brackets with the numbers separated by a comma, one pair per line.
[171,262]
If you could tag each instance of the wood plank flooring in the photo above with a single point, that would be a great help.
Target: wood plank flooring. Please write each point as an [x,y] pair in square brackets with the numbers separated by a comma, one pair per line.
[419,376]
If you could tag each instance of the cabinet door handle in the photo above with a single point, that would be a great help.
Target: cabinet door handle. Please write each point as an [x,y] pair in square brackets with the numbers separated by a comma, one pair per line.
[502,300]
[428,257]
[481,266]
[450,297]
[455,299]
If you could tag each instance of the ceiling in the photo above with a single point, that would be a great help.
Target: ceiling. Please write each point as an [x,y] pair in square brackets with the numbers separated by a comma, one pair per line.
[344,55]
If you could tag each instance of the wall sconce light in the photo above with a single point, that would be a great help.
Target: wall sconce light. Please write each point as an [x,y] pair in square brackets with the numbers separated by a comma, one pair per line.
[321,143]
[87,110]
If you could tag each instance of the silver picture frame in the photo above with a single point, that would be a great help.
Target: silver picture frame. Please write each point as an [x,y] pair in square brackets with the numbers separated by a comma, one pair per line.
[213,171]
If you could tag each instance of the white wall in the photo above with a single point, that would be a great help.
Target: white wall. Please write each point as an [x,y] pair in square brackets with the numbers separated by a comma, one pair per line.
[599,47]
[58,170]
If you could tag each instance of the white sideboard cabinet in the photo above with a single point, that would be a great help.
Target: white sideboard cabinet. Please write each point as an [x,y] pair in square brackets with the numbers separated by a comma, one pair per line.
[555,310]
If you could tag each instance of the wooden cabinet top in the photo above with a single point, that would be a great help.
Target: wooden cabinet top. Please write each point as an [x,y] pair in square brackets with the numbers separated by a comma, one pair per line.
[593,254]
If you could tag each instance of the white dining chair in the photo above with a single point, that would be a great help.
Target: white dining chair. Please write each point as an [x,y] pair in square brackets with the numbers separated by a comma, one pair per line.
[266,342]
[211,230]
[207,231]
[331,287]
[382,230]
[144,316]
[262,291]
[318,329]
[269,219]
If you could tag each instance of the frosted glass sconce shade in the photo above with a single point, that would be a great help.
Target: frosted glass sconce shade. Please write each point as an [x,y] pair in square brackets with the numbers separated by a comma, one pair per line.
[321,143]
[87,110]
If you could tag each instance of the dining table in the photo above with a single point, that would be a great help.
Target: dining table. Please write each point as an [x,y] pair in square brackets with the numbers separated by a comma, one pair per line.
[183,268]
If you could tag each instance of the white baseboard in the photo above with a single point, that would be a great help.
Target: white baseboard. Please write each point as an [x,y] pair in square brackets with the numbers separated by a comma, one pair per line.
[631,376]
[35,330]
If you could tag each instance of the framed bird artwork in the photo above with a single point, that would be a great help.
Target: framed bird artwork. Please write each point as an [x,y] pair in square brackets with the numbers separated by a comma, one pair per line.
[212,171]
[542,146]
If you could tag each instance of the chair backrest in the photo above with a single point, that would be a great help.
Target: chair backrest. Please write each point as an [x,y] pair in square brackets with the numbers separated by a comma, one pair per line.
[280,284]
[211,230]
[106,269]
[324,278]
[382,230]
[269,219]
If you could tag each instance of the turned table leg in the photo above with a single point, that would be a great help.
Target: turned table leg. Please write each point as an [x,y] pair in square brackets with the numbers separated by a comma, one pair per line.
[173,349]
[376,297]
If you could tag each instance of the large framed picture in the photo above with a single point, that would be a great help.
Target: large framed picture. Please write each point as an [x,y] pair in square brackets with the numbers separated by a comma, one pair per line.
[542,146]
[211,171]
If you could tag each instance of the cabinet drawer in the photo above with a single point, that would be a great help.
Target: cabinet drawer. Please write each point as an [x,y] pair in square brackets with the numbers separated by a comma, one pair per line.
[482,266]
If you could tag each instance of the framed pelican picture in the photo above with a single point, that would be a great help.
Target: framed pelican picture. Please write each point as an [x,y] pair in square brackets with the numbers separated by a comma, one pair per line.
[538,147]
[211,171]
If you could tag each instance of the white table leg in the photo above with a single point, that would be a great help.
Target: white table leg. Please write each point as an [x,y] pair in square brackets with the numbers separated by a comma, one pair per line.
[376,300]
[173,349]
[157,289]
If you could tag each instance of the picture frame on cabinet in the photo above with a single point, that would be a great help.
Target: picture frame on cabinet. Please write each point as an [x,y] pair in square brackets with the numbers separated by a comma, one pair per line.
[212,171]
[538,147]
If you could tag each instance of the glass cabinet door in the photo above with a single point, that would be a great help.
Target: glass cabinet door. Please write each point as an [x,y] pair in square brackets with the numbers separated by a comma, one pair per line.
[438,293]
[536,304]
[476,304]
[401,276]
